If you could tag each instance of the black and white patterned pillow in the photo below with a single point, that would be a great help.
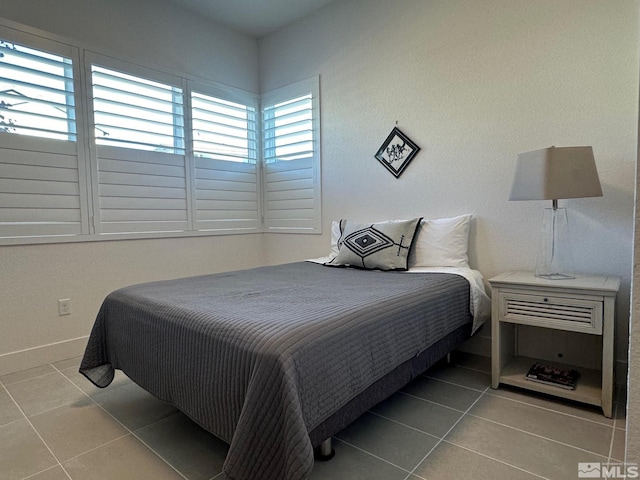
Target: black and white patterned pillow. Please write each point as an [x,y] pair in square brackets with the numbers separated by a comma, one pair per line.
[381,246]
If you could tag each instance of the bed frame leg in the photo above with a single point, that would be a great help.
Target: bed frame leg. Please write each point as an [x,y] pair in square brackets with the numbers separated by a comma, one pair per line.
[324,451]
[449,357]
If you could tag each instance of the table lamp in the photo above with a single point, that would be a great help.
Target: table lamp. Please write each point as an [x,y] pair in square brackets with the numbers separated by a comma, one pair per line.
[551,174]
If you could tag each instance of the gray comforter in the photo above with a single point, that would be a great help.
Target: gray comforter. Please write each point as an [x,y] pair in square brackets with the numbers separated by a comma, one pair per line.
[261,357]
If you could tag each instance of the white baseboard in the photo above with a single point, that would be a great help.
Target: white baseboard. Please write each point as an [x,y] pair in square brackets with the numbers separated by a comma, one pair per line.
[34,357]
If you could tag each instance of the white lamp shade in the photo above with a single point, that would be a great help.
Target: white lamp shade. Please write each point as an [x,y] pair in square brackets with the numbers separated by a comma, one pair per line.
[556,172]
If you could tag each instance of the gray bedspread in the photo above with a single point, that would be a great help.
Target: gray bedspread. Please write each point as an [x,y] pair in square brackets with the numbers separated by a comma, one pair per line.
[260,357]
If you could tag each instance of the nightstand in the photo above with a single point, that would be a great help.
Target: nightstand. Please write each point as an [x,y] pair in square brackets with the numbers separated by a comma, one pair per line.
[577,307]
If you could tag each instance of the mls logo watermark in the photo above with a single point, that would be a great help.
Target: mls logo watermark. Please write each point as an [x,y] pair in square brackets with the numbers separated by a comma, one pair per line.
[607,470]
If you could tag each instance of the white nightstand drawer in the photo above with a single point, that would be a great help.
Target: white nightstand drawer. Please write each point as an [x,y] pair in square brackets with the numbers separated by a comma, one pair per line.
[561,313]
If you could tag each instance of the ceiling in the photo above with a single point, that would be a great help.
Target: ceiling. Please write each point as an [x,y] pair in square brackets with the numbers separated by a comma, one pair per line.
[253,17]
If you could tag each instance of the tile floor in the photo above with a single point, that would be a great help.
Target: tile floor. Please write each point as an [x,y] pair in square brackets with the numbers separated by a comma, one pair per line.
[447,424]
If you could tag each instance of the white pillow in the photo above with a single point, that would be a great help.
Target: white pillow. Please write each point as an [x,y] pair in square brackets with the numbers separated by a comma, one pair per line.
[442,242]
[335,236]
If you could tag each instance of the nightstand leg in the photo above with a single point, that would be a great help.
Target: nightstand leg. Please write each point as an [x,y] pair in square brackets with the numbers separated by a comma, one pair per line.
[608,329]
[495,345]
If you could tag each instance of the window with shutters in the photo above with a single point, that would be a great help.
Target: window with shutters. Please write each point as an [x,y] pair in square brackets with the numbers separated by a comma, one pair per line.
[103,148]
[291,145]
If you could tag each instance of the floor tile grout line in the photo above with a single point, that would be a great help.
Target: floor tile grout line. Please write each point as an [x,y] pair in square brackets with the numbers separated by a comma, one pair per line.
[13,421]
[451,383]
[371,454]
[131,432]
[523,402]
[444,436]
[42,471]
[35,430]
[575,447]
[617,406]
[430,401]
[472,369]
[30,378]
[58,406]
[495,459]
[401,424]
[113,440]
[614,432]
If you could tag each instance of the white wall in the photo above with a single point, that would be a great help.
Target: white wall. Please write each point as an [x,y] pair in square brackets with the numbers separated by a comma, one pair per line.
[153,32]
[34,277]
[473,83]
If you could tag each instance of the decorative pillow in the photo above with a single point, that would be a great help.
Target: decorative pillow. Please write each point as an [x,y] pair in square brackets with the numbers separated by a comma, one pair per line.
[383,245]
[442,242]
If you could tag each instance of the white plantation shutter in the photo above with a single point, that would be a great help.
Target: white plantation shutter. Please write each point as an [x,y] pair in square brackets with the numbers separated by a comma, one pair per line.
[225,149]
[141,192]
[291,152]
[140,183]
[42,172]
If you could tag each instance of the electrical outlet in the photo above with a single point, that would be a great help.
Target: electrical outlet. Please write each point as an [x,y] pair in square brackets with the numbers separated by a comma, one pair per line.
[64,307]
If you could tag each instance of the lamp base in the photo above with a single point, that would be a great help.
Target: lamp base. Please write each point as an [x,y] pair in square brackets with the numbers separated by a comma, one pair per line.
[555,259]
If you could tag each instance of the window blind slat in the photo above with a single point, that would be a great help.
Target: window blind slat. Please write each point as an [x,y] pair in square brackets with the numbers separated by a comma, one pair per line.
[20,73]
[12,98]
[120,116]
[205,126]
[300,103]
[29,54]
[103,76]
[204,105]
[163,107]
[131,143]
[44,133]
[176,139]
[58,92]
[301,125]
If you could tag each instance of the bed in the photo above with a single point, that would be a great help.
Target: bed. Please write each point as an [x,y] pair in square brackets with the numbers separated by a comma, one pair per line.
[274,360]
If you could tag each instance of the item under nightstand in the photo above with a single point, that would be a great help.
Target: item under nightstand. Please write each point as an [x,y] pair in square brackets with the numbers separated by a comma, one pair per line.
[584,305]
